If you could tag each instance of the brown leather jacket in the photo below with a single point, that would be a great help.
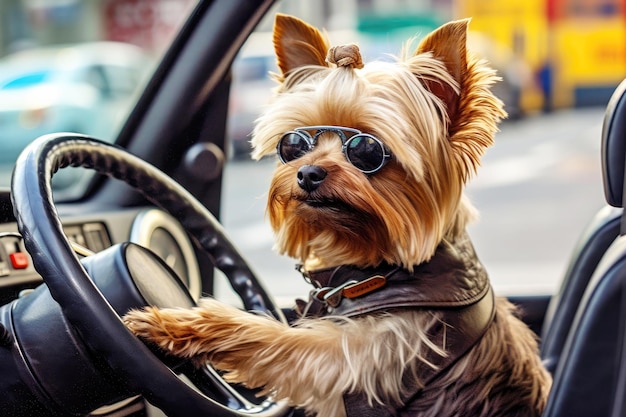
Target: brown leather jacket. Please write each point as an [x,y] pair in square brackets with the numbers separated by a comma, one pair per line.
[453,281]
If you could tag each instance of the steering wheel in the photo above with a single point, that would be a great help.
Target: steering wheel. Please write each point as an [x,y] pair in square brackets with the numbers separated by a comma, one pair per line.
[83,304]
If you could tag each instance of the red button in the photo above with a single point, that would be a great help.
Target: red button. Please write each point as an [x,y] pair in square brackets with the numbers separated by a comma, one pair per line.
[19,260]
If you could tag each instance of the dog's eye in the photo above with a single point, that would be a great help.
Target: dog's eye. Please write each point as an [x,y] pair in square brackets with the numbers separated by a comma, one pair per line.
[292,146]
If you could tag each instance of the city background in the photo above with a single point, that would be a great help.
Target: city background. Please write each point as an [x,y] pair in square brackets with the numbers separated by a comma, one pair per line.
[560,60]
[557,53]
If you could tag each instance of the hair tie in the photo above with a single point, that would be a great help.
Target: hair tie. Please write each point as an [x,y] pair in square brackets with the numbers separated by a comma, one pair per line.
[345,56]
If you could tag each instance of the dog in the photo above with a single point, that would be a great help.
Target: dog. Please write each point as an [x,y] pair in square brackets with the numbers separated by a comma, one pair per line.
[368,196]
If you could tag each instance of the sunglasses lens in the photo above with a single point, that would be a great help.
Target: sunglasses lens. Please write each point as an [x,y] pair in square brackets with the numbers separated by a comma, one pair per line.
[365,153]
[292,146]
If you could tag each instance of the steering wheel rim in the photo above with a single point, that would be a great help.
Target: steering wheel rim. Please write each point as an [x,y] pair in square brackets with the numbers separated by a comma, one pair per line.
[82,303]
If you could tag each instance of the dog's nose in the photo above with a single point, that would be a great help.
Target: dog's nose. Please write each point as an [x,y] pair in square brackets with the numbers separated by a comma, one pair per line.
[310,177]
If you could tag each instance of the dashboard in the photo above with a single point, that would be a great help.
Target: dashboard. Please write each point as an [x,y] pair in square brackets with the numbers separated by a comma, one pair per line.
[149,227]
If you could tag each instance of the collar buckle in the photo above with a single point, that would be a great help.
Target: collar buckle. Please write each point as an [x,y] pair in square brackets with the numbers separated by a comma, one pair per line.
[349,289]
[334,296]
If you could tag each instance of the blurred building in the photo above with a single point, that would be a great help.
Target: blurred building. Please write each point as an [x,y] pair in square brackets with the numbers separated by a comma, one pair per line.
[146,23]
[39,22]
[576,49]
[557,53]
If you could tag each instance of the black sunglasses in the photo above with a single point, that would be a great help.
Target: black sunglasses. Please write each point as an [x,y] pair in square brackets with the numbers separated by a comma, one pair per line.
[366,152]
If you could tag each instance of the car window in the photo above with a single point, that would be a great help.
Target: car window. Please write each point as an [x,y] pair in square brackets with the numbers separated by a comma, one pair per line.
[537,187]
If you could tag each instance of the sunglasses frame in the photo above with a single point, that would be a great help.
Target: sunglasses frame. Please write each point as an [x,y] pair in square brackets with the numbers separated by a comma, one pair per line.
[311,141]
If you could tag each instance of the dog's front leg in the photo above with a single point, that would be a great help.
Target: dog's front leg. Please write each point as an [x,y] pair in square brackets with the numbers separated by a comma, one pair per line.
[304,364]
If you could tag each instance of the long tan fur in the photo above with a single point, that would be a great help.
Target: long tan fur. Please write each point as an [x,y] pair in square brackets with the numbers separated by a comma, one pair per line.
[435,112]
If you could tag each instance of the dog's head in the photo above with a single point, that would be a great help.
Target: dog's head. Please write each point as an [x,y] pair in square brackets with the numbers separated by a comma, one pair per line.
[374,157]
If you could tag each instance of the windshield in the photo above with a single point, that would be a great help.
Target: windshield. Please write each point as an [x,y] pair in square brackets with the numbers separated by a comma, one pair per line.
[76,66]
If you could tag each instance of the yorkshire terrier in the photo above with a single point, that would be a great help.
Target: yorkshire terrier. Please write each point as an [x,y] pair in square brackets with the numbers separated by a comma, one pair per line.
[368,196]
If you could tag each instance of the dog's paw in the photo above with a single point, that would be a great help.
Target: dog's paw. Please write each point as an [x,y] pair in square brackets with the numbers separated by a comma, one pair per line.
[141,322]
[159,328]
[145,324]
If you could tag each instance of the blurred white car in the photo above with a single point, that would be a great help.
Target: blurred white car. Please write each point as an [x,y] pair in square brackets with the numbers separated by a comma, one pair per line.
[84,88]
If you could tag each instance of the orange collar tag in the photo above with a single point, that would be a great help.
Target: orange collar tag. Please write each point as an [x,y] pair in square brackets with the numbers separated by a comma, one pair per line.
[364,287]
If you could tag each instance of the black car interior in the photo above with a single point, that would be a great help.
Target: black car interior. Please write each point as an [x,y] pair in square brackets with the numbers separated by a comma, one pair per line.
[63,348]
[596,238]
[583,343]
[126,275]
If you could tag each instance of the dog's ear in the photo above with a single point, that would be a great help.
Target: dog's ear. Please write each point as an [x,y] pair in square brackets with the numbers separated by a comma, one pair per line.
[473,110]
[297,43]
[448,44]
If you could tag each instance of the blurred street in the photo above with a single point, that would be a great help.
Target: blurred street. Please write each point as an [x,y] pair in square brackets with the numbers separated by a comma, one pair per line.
[537,189]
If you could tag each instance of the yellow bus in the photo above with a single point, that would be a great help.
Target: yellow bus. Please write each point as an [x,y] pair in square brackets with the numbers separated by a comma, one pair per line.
[575,49]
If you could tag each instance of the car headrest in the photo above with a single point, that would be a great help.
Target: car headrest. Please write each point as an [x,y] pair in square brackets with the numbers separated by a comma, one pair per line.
[614,146]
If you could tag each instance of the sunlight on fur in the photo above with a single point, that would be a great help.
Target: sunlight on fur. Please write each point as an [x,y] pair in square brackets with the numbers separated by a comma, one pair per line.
[432,340]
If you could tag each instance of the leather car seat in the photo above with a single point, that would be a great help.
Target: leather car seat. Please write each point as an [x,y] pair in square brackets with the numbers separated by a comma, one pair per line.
[586,337]
[597,237]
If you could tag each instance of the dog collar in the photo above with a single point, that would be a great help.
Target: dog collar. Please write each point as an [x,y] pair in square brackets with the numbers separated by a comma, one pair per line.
[453,277]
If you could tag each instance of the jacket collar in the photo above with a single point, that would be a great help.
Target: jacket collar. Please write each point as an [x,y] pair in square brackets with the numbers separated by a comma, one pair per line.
[453,282]
[453,277]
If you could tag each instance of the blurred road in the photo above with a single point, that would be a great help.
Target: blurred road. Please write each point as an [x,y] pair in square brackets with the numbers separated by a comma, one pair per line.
[536,190]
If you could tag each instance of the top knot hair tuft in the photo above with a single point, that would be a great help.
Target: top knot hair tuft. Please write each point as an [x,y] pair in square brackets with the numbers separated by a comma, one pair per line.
[345,56]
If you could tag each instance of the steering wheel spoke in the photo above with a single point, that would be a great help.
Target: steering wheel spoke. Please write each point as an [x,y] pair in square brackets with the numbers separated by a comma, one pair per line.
[81,250]
[210,382]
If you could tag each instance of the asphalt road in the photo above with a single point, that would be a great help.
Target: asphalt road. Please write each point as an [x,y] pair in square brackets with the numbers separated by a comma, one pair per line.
[536,190]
